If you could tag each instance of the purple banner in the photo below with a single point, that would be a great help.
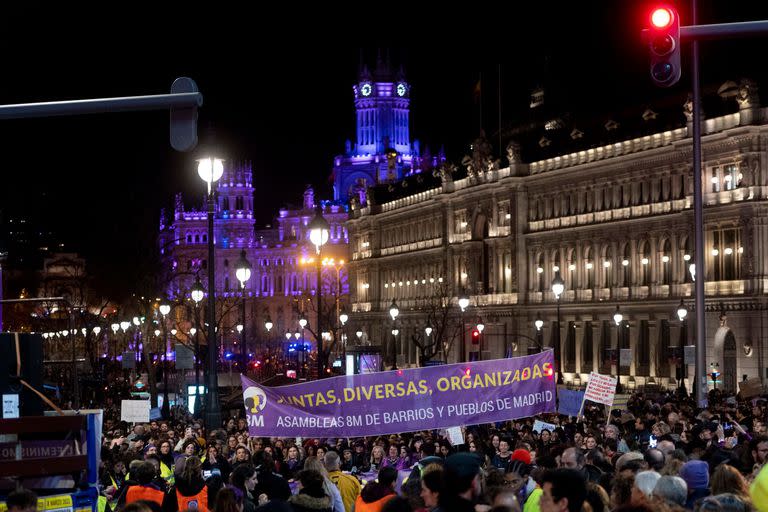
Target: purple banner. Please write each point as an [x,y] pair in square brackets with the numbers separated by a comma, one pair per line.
[404,400]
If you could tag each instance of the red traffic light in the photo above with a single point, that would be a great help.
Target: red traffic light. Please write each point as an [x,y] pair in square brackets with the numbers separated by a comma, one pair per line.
[475,333]
[662,17]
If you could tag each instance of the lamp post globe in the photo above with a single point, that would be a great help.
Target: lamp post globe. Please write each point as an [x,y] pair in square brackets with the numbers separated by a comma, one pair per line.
[480,327]
[318,230]
[157,332]
[303,322]
[243,269]
[359,335]
[343,317]
[288,335]
[197,291]
[268,324]
[210,170]
[558,285]
[164,309]
[124,325]
[539,323]
[239,328]
[192,331]
[428,331]
[115,327]
[618,316]
[394,311]
[682,311]
[463,302]
[96,330]
[243,274]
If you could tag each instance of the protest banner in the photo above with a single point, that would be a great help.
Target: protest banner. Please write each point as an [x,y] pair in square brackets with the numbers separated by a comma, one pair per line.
[134,411]
[539,425]
[404,400]
[620,402]
[600,389]
[570,401]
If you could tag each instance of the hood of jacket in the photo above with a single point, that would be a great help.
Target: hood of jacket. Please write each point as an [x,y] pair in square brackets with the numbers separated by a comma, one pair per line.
[310,502]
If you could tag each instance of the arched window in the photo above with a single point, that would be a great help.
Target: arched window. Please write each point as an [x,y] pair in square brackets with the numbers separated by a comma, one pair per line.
[189,238]
[226,284]
[587,349]
[205,238]
[626,266]
[666,262]
[589,268]
[607,265]
[687,260]
[540,271]
[226,263]
[197,239]
[645,263]
[225,204]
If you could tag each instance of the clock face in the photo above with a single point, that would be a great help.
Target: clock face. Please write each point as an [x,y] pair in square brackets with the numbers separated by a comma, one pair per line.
[365,89]
[401,89]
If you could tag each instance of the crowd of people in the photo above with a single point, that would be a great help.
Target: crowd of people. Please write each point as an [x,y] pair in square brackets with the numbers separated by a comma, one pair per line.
[660,454]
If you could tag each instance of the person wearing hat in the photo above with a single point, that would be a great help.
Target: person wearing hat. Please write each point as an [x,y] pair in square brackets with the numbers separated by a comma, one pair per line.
[462,482]
[375,494]
[696,476]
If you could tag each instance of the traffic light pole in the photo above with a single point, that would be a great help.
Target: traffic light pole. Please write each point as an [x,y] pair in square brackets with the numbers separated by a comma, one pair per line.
[665,71]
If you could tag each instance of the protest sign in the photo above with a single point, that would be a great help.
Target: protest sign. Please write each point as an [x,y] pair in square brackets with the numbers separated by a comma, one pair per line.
[455,436]
[570,401]
[751,387]
[539,425]
[600,388]
[404,400]
[134,411]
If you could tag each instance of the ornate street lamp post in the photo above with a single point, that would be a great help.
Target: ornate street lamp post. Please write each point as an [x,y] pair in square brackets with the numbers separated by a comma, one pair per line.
[318,235]
[243,274]
[558,287]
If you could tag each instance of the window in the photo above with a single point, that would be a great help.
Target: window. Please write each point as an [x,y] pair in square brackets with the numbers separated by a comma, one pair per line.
[727,251]
[687,260]
[666,262]
[643,349]
[589,268]
[197,239]
[588,348]
[226,284]
[225,204]
[663,355]
[726,177]
[606,265]
[205,264]
[205,238]
[189,239]
[226,263]
[645,263]
[570,348]
[540,272]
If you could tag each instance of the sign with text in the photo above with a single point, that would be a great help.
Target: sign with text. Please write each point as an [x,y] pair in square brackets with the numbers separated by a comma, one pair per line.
[10,406]
[690,354]
[600,389]
[134,411]
[404,400]
[455,436]
[539,425]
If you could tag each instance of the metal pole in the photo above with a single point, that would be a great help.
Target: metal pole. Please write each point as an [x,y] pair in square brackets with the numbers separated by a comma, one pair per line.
[619,346]
[243,348]
[319,334]
[683,337]
[166,411]
[698,214]
[75,383]
[558,360]
[196,408]
[463,341]
[212,410]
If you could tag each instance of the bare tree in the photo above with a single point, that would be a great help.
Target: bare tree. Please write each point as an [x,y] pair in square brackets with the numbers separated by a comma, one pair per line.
[440,314]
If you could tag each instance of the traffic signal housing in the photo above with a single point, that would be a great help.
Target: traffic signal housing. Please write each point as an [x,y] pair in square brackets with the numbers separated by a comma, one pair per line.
[664,45]
[475,337]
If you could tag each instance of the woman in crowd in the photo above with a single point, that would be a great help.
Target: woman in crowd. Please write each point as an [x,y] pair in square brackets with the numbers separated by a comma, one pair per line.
[431,485]
[393,459]
[377,458]
[166,462]
[314,464]
[292,464]
[243,478]
[191,490]
[213,461]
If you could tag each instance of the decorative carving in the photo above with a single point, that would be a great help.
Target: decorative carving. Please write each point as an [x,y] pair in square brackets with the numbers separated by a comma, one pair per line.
[513,153]
[747,96]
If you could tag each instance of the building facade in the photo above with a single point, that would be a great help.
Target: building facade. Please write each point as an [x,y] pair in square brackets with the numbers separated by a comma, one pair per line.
[283,279]
[614,221]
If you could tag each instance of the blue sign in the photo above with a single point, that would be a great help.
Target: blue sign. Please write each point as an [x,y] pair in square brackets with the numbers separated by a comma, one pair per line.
[570,401]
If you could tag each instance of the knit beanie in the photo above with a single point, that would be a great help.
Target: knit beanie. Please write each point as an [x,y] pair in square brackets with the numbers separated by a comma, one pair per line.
[696,474]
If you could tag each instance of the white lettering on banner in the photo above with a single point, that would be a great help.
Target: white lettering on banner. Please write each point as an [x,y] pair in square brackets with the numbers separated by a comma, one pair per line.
[600,389]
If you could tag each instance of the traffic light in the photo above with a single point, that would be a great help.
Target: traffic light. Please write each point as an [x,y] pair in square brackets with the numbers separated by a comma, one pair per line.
[664,45]
[475,337]
[184,119]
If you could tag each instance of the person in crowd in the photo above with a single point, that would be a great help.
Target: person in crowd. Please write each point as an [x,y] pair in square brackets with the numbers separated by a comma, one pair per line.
[393,459]
[375,494]
[727,479]
[696,476]
[671,490]
[431,486]
[190,490]
[311,496]
[462,483]
[21,500]
[377,458]
[229,499]
[269,482]
[215,462]
[243,477]
[597,498]
[502,458]
[348,486]
[166,462]
[642,488]
[516,478]
[315,464]
[360,459]
[292,464]
[563,490]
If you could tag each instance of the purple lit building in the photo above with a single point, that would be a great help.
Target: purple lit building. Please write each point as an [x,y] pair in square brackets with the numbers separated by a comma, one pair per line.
[283,281]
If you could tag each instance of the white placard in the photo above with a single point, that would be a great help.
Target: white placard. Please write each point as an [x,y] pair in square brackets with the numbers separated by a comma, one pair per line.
[135,411]
[10,406]
[539,425]
[455,436]
[690,354]
[600,389]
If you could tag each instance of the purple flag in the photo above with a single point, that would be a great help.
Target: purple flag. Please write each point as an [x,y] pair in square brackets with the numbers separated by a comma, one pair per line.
[404,400]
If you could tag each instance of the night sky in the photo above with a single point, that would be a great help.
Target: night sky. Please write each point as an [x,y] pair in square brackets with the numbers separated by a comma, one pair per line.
[286,103]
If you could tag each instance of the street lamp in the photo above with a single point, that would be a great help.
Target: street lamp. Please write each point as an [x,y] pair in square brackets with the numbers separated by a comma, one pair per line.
[463,304]
[539,323]
[343,317]
[115,327]
[558,287]
[359,335]
[318,235]
[243,274]
[480,329]
[394,311]
[197,294]
[164,309]
[714,373]
[210,170]
[682,314]
[618,318]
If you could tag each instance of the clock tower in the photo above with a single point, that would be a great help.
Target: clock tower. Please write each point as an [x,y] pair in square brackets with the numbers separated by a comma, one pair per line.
[382,150]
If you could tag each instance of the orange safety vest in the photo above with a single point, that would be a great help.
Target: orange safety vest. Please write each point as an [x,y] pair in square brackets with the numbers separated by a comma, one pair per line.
[144,492]
[197,502]
[376,506]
